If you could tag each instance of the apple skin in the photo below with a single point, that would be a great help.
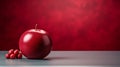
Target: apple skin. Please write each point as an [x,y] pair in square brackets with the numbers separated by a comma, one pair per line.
[35,44]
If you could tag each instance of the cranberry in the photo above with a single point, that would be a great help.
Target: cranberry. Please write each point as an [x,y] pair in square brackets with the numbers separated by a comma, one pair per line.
[12,56]
[19,56]
[11,51]
[16,52]
[7,56]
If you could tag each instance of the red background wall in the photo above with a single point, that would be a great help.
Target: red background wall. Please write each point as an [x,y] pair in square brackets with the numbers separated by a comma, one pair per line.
[72,24]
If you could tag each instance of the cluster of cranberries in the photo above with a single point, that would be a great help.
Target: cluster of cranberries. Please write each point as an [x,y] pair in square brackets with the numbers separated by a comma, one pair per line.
[13,54]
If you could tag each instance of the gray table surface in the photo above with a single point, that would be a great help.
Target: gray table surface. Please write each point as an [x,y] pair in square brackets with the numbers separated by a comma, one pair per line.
[67,58]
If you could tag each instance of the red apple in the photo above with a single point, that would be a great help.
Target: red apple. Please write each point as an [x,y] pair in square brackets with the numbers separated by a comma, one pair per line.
[35,44]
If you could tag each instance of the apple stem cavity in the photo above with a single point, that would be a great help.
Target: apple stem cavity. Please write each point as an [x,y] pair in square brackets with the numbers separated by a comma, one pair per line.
[36,27]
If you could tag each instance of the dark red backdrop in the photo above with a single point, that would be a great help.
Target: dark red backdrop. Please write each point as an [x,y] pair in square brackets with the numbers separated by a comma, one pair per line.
[72,24]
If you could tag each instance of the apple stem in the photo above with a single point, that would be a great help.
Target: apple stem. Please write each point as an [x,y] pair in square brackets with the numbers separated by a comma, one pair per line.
[36,27]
